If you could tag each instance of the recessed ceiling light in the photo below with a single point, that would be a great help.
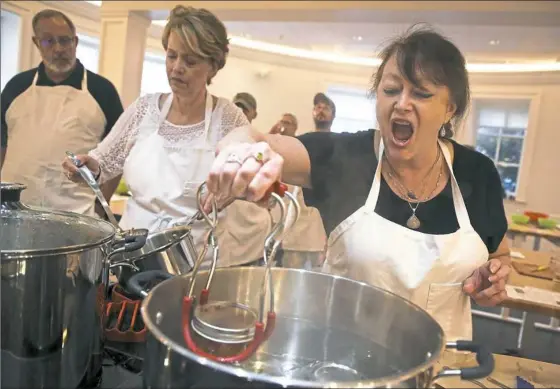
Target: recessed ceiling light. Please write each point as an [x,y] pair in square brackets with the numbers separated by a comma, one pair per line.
[357,38]
[494,42]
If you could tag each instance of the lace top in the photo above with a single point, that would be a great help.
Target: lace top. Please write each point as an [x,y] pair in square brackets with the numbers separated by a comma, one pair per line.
[112,152]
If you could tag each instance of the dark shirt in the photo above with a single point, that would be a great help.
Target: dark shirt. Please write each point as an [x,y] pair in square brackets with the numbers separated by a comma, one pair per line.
[342,171]
[102,90]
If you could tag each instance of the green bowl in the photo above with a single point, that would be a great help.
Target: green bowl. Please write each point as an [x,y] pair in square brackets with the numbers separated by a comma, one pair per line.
[547,223]
[520,219]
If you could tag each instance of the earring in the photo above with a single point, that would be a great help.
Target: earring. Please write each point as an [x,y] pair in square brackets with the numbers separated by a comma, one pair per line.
[442,131]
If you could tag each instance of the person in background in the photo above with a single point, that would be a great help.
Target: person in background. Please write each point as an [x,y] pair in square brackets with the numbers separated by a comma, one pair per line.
[164,144]
[324,112]
[248,105]
[407,209]
[287,125]
[56,107]
[304,244]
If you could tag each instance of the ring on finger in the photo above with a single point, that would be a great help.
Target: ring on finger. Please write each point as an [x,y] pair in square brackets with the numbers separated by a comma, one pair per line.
[234,158]
[258,156]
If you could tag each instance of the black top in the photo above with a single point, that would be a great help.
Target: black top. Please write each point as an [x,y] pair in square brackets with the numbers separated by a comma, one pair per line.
[102,90]
[342,171]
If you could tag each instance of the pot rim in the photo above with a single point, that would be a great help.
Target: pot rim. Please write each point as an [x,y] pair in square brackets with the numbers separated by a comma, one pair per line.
[241,373]
[63,250]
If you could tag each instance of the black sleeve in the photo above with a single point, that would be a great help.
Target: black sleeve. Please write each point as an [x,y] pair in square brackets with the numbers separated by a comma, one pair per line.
[320,147]
[16,86]
[497,220]
[5,102]
[108,99]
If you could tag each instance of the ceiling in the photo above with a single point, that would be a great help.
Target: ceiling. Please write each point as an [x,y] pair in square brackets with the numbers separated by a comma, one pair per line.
[479,43]
[486,31]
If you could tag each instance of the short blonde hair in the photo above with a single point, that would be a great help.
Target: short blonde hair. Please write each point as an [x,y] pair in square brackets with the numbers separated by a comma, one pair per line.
[201,32]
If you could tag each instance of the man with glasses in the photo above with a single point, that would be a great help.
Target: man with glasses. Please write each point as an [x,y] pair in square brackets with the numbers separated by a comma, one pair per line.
[287,125]
[55,107]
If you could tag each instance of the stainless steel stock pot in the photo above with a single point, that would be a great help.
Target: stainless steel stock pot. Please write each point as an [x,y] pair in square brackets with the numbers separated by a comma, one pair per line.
[54,277]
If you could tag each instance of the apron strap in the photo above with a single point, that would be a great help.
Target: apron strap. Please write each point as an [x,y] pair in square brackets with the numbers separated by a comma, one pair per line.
[165,108]
[84,82]
[35,78]
[460,207]
[207,116]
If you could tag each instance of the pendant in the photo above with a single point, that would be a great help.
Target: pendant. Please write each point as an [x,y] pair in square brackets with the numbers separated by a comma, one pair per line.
[413,222]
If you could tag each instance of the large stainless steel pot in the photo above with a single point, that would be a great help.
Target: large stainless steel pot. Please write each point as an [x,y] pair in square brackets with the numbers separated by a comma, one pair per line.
[320,331]
[330,332]
[54,277]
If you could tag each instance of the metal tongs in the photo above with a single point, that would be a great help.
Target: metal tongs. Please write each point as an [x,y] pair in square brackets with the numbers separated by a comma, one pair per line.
[261,332]
[128,236]
[88,177]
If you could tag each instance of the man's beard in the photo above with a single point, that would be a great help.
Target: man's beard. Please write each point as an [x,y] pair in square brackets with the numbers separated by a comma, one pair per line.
[323,124]
[55,68]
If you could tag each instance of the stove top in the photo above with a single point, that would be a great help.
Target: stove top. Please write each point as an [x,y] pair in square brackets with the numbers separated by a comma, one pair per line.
[122,365]
[117,377]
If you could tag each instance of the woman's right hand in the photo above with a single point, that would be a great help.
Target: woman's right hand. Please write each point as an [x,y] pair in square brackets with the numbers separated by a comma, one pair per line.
[244,170]
[71,171]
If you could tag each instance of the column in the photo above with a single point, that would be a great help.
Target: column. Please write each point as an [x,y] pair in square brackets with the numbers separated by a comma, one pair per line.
[121,52]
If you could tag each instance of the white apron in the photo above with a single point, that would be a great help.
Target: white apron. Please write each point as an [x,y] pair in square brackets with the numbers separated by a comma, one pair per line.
[164,177]
[308,233]
[43,123]
[426,269]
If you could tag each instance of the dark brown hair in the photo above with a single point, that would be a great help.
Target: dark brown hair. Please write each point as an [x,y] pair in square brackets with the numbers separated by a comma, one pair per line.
[421,51]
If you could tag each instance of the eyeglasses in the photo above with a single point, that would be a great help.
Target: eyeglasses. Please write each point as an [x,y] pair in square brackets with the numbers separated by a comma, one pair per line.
[63,41]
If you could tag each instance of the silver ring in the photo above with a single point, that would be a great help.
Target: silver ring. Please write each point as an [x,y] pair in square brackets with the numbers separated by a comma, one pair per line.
[234,158]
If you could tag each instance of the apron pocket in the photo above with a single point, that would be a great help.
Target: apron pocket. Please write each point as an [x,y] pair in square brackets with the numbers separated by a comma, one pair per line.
[450,307]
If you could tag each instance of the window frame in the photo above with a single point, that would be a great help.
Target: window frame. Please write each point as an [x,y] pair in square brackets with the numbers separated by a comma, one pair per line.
[467,133]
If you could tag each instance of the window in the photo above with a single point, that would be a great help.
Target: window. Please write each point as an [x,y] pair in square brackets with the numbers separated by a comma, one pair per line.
[355,111]
[154,77]
[88,52]
[501,129]
[9,46]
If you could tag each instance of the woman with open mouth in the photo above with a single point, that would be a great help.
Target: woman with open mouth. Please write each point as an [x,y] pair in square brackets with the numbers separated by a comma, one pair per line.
[406,208]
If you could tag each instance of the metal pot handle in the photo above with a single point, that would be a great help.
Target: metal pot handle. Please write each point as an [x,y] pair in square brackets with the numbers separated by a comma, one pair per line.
[484,358]
[130,240]
[136,281]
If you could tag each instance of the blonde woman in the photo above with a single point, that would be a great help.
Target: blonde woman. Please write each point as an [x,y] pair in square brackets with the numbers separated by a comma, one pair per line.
[164,144]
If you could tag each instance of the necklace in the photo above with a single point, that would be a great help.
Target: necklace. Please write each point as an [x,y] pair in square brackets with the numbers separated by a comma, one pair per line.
[409,193]
[413,222]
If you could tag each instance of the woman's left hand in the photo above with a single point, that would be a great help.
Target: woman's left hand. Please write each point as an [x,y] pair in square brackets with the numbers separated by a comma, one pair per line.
[487,284]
